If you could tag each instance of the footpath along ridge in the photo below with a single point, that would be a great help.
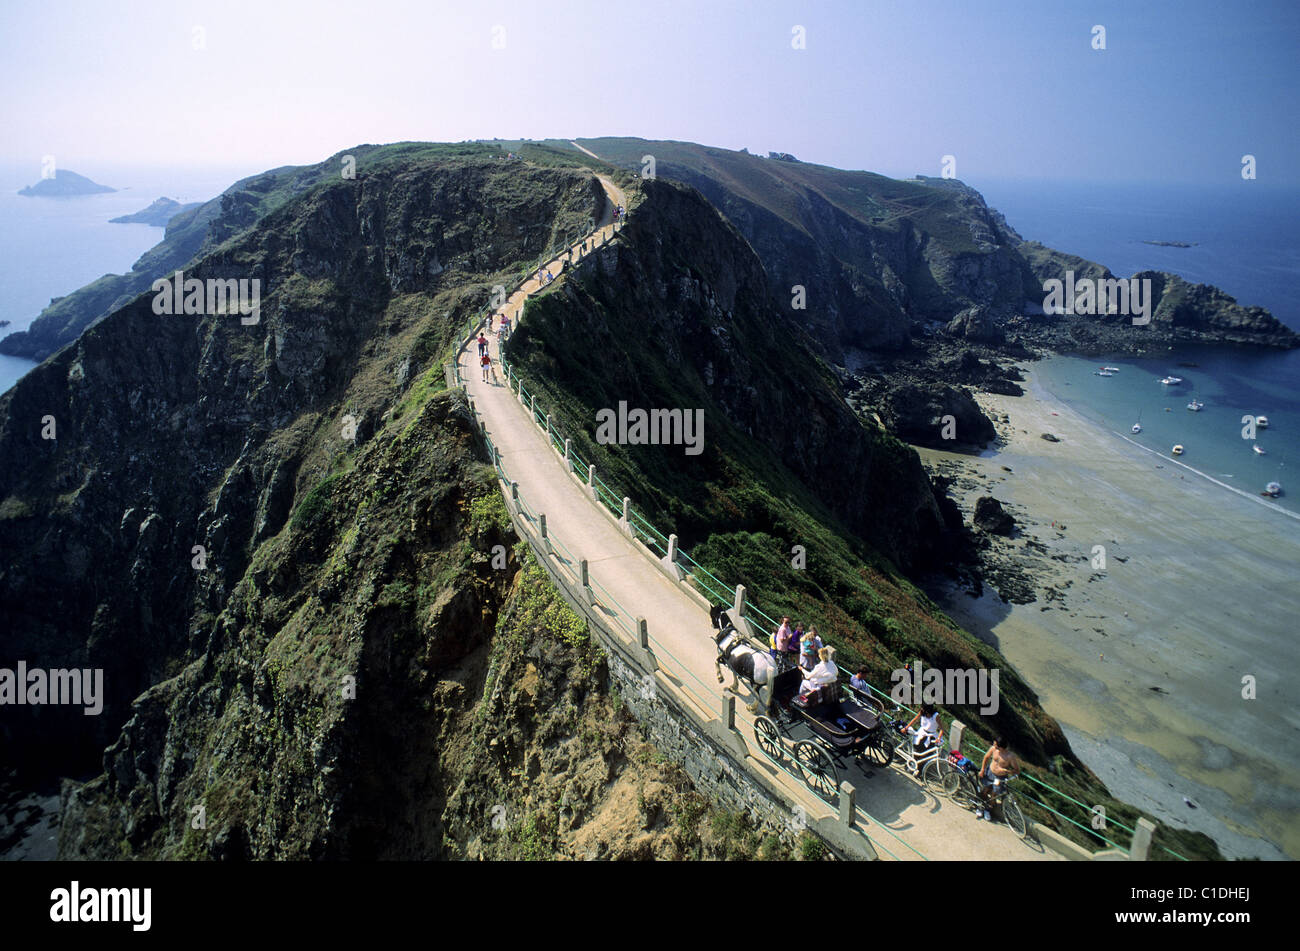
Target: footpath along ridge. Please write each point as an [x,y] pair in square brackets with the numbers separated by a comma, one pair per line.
[900,817]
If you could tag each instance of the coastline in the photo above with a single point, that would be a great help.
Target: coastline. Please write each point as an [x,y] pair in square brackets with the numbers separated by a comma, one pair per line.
[1142,662]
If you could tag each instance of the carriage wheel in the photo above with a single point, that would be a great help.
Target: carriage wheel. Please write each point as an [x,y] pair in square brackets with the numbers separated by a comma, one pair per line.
[932,775]
[769,739]
[1015,818]
[878,750]
[818,770]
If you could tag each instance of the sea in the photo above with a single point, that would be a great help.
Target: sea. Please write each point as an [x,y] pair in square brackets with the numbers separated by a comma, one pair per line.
[50,247]
[1245,239]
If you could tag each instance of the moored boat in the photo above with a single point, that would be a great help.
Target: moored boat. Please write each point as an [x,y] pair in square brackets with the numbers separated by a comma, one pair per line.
[1261,422]
[1272,490]
[1177,450]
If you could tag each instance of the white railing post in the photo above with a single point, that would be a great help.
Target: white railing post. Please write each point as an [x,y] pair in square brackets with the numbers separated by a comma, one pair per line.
[955,734]
[670,560]
[591,483]
[848,803]
[1141,846]
[568,454]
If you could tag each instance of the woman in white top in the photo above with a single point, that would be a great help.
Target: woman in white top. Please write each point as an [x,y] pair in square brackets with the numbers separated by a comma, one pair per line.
[929,732]
[824,673]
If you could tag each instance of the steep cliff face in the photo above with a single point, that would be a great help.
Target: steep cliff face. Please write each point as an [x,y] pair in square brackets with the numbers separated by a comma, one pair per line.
[390,679]
[676,314]
[879,259]
[177,432]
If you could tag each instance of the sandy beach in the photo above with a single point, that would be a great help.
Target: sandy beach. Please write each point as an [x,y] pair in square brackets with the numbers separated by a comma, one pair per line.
[1143,661]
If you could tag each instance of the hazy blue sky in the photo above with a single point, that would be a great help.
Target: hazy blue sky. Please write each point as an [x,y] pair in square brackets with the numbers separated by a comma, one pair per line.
[1181,92]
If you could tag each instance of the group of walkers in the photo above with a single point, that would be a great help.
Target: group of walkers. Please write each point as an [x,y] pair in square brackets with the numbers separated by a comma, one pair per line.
[484,352]
[485,358]
[792,646]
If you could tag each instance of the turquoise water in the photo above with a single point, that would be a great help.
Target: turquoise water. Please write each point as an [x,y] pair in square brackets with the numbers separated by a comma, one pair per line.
[1231,385]
[1247,237]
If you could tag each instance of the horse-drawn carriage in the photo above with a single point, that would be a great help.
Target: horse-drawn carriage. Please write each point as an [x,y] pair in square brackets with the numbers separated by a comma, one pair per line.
[824,728]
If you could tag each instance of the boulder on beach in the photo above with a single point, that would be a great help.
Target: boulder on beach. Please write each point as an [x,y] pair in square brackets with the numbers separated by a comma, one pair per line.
[991,517]
[1050,438]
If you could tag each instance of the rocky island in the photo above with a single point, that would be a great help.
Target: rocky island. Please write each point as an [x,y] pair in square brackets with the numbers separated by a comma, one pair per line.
[64,184]
[157,214]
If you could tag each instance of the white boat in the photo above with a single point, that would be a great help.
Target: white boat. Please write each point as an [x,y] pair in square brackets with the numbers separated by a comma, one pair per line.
[1137,428]
[1261,422]
[1111,369]
[1195,406]
[1177,450]
[1272,490]
[1171,381]
[1259,450]
[1102,373]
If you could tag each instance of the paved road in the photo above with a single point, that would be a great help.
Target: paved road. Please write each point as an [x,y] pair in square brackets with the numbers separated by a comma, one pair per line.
[631,586]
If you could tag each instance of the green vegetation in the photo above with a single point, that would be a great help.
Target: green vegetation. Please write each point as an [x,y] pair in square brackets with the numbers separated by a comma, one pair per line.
[313,508]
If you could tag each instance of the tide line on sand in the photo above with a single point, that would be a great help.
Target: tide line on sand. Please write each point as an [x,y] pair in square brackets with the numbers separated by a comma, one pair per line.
[1245,495]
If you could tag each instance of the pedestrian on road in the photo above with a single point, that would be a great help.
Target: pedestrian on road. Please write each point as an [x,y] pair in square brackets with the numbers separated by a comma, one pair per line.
[482,344]
[486,361]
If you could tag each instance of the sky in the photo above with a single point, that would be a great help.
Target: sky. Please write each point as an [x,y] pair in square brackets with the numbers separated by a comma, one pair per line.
[1181,91]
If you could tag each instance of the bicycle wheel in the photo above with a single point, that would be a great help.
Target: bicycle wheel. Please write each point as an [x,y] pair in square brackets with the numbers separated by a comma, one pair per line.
[1015,818]
[958,787]
[818,770]
[932,775]
[769,739]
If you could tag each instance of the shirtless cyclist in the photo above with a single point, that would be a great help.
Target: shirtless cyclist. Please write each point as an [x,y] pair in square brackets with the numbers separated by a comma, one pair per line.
[998,766]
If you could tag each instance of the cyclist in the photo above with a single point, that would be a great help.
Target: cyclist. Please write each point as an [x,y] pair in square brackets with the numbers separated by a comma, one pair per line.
[998,766]
[928,734]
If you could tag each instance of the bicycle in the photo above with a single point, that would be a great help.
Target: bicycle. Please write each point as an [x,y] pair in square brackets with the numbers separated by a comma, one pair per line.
[923,765]
[963,788]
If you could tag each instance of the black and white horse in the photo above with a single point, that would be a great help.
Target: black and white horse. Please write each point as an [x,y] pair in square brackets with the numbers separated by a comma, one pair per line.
[755,667]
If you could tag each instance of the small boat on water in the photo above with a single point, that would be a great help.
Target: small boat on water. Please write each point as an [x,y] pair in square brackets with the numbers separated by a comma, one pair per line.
[1259,451]
[1177,450]
[1102,373]
[1171,381]
[1111,369]
[1137,428]
[1272,490]
[1261,422]
[1195,406]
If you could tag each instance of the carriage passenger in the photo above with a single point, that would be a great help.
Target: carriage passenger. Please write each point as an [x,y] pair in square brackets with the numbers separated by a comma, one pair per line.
[796,638]
[859,681]
[780,641]
[808,651]
[824,674]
